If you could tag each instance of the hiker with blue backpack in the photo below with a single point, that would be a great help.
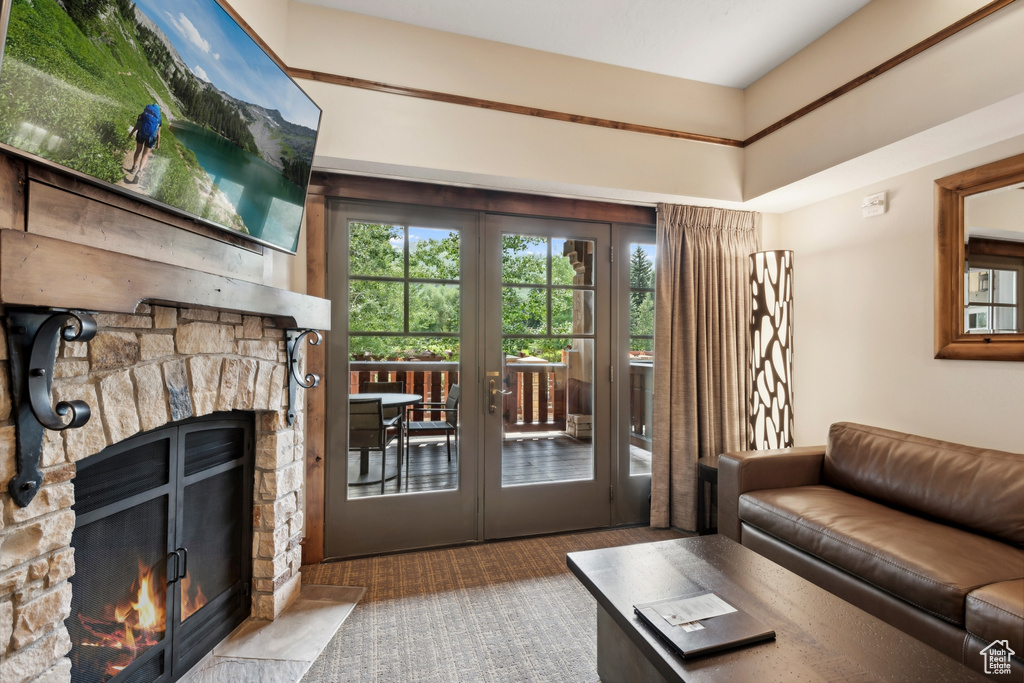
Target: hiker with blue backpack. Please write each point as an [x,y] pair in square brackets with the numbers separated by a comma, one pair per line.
[147,137]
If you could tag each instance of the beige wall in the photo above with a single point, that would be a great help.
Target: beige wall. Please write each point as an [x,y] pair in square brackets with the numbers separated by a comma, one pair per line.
[371,126]
[268,18]
[977,67]
[285,271]
[365,126]
[877,32]
[407,137]
[400,54]
[361,126]
[863,320]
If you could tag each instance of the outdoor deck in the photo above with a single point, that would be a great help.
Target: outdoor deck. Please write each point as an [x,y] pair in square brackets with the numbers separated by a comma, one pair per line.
[529,459]
[538,448]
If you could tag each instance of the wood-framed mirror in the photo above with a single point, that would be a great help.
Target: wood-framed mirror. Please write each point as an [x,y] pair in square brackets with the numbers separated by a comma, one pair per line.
[979,262]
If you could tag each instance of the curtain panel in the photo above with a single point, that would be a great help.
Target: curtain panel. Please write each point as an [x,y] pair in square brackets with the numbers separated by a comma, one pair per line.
[701,349]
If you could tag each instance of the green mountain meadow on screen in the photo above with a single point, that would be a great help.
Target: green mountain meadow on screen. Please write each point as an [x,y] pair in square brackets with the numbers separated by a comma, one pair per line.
[74,79]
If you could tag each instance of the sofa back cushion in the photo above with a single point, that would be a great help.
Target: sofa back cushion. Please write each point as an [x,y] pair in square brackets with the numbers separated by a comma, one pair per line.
[973,488]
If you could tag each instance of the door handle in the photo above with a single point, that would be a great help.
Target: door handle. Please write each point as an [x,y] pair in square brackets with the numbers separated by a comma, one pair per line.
[493,393]
[184,561]
[180,564]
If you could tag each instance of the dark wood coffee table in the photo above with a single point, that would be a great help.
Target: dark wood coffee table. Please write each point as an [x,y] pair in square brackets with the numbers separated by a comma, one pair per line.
[819,637]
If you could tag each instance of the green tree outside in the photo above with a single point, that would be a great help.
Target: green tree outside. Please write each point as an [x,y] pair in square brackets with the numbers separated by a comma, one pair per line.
[380,294]
[641,302]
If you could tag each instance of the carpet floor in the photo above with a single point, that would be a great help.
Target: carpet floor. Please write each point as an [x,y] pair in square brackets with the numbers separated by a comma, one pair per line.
[506,611]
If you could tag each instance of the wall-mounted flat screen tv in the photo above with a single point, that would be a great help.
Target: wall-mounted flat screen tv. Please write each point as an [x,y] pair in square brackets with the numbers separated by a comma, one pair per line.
[166,100]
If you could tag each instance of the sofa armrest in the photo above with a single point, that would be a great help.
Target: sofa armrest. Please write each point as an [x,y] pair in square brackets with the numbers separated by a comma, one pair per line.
[754,470]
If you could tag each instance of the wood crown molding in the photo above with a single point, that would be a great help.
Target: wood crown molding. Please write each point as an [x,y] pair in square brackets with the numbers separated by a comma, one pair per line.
[351,82]
[909,53]
[980,246]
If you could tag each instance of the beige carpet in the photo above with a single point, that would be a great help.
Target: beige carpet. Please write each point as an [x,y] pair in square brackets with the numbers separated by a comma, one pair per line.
[502,612]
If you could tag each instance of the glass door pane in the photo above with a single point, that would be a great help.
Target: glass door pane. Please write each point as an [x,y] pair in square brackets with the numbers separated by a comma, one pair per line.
[641,356]
[401,470]
[547,293]
[548,344]
[634,323]
[404,298]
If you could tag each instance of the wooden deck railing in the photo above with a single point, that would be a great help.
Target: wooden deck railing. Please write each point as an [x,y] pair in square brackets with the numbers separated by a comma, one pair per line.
[537,401]
[428,379]
[641,403]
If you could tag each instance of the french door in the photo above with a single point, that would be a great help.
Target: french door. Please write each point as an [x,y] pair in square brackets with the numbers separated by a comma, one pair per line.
[402,284]
[521,319]
[547,376]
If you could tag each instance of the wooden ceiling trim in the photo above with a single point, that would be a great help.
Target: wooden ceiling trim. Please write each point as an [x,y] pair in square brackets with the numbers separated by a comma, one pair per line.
[350,82]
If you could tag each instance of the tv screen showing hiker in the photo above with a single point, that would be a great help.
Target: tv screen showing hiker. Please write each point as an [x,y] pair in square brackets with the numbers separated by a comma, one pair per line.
[121,92]
[147,139]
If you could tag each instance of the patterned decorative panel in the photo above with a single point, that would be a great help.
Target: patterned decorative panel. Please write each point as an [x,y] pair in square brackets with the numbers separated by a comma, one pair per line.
[771,334]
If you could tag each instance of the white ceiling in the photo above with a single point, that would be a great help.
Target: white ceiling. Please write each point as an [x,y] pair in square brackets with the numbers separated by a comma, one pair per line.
[726,42]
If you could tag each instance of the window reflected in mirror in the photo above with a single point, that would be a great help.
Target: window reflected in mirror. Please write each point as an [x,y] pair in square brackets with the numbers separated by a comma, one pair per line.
[994,261]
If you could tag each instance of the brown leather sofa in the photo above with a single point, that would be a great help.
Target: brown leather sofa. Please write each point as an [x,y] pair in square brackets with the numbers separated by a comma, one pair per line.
[926,535]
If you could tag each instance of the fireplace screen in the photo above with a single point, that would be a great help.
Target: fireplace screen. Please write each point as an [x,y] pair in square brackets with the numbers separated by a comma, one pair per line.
[162,540]
[119,612]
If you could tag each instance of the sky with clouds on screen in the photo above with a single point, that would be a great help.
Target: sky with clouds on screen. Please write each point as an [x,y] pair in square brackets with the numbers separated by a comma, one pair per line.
[220,52]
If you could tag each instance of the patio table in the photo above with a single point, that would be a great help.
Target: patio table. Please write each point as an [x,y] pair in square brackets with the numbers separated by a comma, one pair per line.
[363,473]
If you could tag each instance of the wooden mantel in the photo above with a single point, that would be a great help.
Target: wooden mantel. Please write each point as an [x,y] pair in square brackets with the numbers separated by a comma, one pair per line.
[68,244]
[43,271]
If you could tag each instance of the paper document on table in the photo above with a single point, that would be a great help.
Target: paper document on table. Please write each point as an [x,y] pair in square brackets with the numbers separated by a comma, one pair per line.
[698,607]
[675,620]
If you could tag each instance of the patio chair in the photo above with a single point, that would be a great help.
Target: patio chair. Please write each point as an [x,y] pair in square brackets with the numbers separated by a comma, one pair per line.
[368,430]
[449,424]
[396,387]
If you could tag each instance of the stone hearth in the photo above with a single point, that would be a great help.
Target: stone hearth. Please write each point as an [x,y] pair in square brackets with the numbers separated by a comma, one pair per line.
[140,372]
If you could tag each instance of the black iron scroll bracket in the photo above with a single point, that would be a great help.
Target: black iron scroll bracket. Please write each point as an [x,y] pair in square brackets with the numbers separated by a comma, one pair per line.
[32,339]
[293,342]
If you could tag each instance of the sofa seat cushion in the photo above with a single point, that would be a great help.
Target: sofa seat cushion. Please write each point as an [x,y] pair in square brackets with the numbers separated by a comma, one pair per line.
[996,612]
[928,564]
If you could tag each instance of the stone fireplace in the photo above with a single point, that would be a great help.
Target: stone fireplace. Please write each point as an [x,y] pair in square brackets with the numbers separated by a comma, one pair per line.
[163,549]
[140,372]
[188,324]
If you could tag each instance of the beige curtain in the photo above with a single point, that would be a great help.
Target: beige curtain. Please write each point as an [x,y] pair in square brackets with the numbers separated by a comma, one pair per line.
[702,319]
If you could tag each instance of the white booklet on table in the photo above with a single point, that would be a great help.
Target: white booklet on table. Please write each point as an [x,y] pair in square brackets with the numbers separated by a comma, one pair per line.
[701,623]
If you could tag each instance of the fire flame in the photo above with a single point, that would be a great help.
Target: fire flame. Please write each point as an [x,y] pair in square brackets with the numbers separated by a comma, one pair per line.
[149,615]
[192,597]
[133,625]
[138,621]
